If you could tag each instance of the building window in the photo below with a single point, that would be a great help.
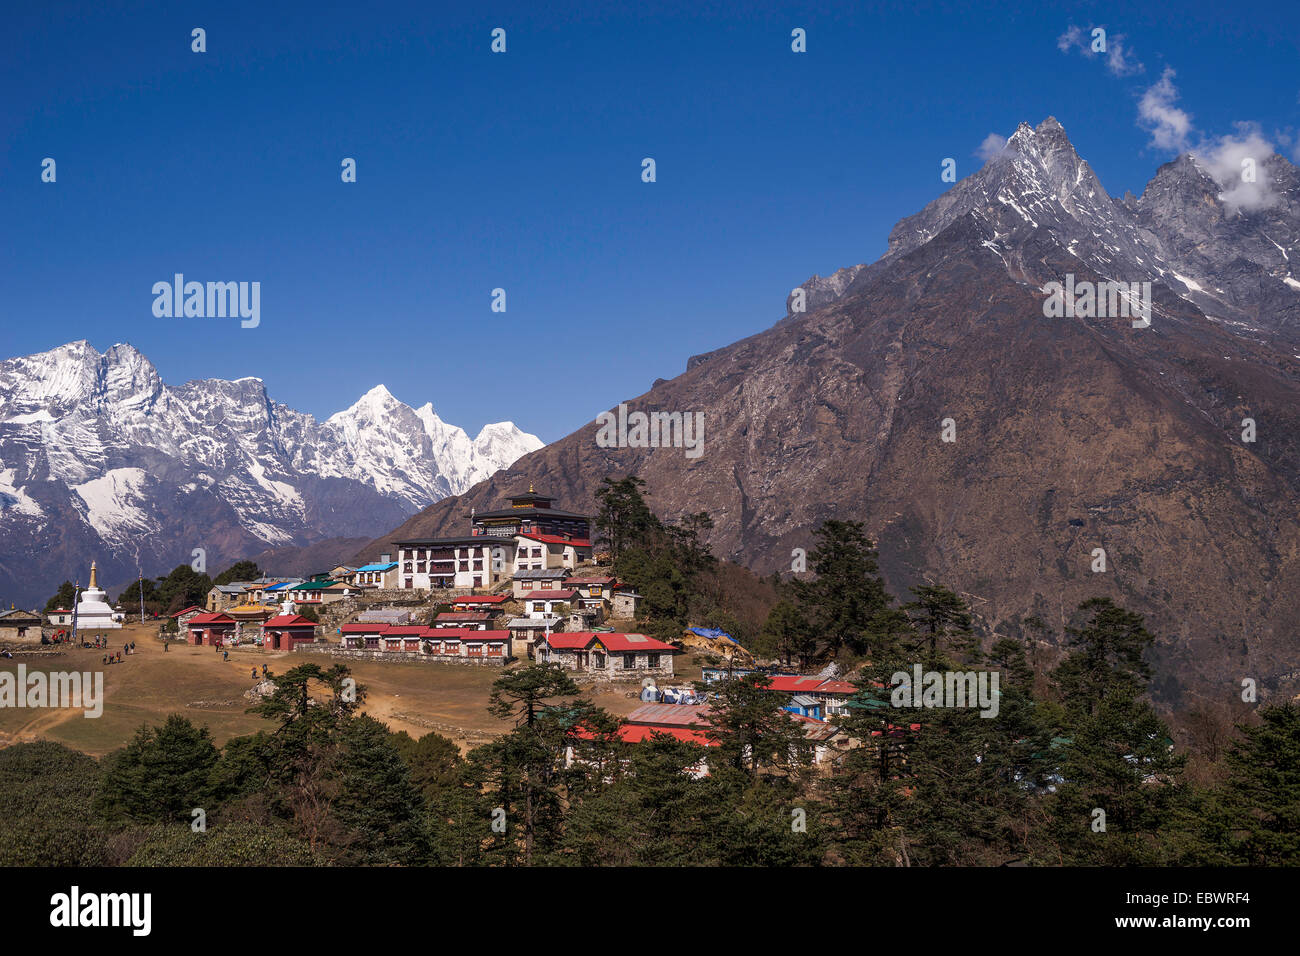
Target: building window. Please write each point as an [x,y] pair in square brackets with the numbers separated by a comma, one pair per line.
[600,660]
[629,662]
[653,660]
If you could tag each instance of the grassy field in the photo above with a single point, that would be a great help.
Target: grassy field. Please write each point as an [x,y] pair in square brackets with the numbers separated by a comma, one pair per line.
[152,683]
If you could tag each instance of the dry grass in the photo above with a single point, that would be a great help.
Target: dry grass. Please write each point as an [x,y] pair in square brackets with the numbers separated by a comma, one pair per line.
[150,684]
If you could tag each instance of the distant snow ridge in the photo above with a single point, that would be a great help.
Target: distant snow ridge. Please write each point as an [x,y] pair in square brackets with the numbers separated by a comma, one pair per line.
[414,455]
[99,441]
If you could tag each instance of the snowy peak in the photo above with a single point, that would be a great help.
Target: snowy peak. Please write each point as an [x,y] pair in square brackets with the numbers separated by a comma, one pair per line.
[1224,242]
[414,455]
[96,448]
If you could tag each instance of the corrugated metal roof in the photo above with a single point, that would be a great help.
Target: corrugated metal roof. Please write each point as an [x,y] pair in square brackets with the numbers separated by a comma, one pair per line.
[673,715]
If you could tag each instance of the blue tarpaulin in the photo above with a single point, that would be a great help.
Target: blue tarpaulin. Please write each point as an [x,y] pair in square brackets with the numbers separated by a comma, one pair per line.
[712,633]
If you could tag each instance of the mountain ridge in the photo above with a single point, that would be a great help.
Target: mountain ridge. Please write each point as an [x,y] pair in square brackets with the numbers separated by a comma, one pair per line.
[100,458]
[1072,434]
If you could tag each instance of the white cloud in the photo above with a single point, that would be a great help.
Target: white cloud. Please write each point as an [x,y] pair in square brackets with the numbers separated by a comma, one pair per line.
[1168,125]
[1119,56]
[1233,161]
[992,147]
[1072,37]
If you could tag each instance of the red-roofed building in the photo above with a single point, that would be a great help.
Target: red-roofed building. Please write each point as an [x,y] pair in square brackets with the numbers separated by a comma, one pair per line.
[286,631]
[475,619]
[463,643]
[685,727]
[469,643]
[211,629]
[403,637]
[540,552]
[671,715]
[363,635]
[831,692]
[610,656]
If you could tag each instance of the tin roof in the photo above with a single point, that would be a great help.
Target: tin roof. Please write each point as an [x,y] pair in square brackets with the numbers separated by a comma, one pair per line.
[672,715]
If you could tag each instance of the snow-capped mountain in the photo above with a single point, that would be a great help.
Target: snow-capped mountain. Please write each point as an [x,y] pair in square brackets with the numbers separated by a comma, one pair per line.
[98,457]
[1188,230]
[412,454]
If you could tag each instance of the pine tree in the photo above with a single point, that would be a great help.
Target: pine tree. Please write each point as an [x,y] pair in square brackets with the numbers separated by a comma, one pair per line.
[1262,794]
[944,623]
[161,775]
[787,634]
[377,801]
[521,694]
[63,598]
[623,519]
[239,571]
[847,600]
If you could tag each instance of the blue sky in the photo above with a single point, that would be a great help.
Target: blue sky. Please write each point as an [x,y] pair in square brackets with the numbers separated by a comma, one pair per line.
[523,171]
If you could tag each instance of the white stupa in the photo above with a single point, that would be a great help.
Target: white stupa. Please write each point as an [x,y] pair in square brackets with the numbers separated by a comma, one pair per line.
[93,612]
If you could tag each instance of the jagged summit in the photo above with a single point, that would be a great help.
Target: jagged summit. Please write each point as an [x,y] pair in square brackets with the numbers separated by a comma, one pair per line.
[98,453]
[1226,248]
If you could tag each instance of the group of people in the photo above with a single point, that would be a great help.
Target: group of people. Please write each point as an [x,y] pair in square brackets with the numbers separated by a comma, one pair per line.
[265,672]
[65,637]
[128,648]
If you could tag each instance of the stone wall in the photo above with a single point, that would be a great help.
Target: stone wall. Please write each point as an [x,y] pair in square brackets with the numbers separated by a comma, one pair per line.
[420,602]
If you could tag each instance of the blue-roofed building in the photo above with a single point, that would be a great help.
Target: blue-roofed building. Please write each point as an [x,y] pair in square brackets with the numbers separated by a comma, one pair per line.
[382,574]
[805,706]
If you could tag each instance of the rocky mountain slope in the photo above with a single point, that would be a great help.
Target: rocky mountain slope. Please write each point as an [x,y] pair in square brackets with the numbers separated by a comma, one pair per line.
[99,458]
[1072,433]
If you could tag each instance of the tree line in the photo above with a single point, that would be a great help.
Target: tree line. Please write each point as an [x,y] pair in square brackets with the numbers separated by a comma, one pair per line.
[182,587]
